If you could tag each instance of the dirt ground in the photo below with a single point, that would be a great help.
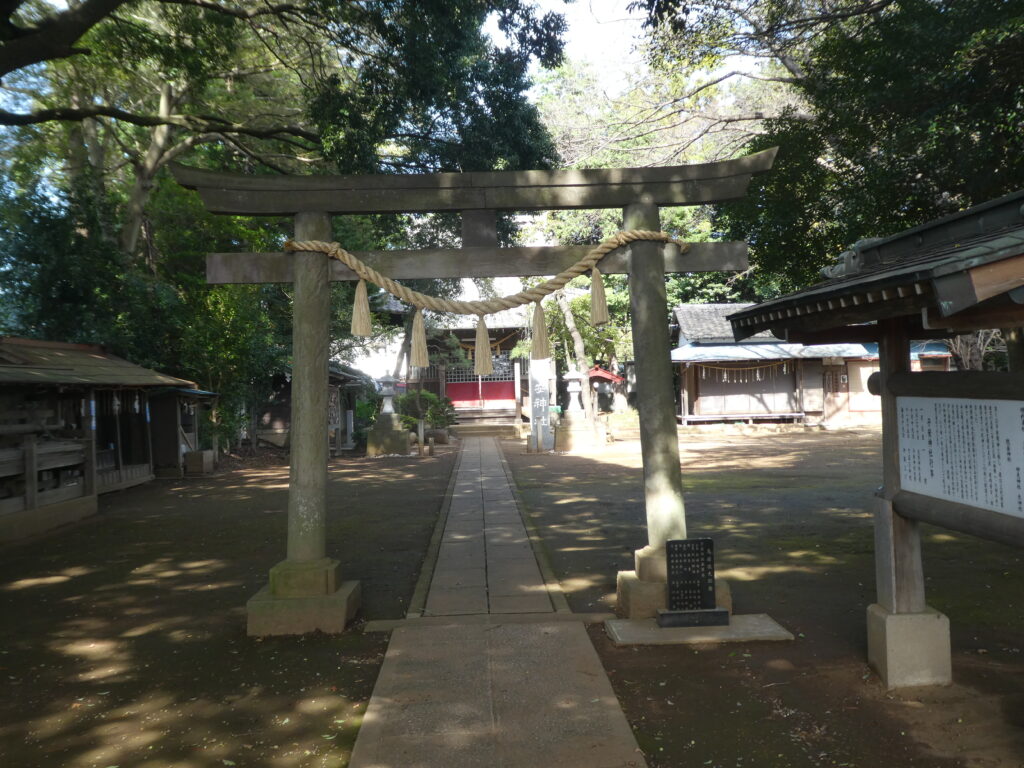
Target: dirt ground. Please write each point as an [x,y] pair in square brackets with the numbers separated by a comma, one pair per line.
[123,640]
[789,516]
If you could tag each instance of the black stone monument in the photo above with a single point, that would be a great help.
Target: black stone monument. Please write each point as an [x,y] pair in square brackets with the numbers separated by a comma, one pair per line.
[691,585]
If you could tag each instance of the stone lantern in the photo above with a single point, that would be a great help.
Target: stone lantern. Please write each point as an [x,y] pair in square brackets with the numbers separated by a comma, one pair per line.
[387,437]
[387,391]
[574,430]
[574,384]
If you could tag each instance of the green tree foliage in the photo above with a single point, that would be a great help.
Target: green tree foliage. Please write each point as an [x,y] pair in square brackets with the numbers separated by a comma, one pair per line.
[906,110]
[452,102]
[437,412]
[627,130]
[99,244]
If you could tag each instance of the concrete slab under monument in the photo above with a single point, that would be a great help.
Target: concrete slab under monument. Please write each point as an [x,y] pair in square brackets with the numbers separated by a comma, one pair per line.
[743,628]
[640,599]
[909,649]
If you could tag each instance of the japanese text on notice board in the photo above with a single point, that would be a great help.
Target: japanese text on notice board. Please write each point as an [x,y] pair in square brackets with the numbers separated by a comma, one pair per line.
[969,451]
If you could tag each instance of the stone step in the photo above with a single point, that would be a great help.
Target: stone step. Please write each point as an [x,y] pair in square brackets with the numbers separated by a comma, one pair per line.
[484,429]
[486,414]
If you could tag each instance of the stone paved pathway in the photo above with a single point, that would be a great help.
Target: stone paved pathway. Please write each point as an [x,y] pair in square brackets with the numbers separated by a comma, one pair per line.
[486,563]
[525,689]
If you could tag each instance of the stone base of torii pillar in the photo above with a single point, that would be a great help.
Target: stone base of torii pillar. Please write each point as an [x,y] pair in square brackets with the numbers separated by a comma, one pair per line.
[303,597]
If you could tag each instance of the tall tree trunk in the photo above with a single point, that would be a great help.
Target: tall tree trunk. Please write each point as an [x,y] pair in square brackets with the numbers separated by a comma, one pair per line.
[403,352]
[86,166]
[145,172]
[579,356]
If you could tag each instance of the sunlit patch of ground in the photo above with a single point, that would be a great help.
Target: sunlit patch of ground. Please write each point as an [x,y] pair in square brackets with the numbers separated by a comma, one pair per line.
[123,641]
[790,516]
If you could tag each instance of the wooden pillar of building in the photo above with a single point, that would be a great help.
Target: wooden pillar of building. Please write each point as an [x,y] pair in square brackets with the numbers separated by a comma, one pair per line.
[89,432]
[643,591]
[305,593]
[115,397]
[517,391]
[31,460]
[149,431]
[1014,338]
[899,576]
[684,373]
[908,642]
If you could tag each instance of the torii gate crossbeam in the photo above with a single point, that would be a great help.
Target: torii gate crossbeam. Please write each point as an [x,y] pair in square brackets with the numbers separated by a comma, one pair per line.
[304,593]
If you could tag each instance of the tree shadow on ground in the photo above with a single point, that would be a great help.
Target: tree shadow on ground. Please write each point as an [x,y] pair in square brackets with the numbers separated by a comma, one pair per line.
[124,639]
[790,517]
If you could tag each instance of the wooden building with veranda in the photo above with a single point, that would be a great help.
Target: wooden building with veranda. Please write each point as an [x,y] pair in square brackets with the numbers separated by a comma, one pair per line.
[75,422]
[764,378]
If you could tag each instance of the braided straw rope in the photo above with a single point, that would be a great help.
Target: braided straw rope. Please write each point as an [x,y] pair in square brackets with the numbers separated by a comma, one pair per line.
[490,306]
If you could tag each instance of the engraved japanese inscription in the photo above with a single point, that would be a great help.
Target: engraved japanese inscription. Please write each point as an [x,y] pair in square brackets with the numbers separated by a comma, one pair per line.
[691,574]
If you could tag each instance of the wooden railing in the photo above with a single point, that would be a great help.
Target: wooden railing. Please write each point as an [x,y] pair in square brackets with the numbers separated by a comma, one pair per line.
[40,473]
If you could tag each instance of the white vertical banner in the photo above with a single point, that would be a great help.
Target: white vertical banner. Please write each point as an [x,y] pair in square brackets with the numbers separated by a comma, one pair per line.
[542,438]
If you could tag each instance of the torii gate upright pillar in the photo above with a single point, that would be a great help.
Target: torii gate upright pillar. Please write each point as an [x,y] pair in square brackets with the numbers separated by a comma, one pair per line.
[643,591]
[304,593]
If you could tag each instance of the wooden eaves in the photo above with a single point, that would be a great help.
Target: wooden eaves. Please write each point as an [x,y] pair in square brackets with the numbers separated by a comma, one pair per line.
[960,273]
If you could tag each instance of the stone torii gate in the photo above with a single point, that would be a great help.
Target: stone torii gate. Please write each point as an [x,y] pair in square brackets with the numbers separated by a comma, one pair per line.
[304,592]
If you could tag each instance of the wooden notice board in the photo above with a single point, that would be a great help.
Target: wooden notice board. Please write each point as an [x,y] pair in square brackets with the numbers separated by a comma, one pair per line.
[966,451]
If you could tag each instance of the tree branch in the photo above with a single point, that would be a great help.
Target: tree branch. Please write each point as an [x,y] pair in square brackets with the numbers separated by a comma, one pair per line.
[201,124]
[53,38]
[242,13]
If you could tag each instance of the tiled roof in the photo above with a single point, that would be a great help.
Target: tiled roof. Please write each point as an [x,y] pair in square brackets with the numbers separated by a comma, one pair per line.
[707,323]
[507,318]
[517,317]
[28,361]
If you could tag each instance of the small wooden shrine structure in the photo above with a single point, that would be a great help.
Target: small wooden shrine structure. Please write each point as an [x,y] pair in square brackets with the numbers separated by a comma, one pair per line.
[953,442]
[305,592]
[175,415]
[74,423]
[500,392]
[273,419]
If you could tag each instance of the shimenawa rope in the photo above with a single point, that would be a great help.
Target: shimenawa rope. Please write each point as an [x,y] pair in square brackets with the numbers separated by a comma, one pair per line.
[482,367]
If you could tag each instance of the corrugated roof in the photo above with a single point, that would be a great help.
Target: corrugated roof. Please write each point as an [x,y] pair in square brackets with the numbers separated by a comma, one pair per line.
[694,353]
[28,361]
[698,353]
[708,323]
